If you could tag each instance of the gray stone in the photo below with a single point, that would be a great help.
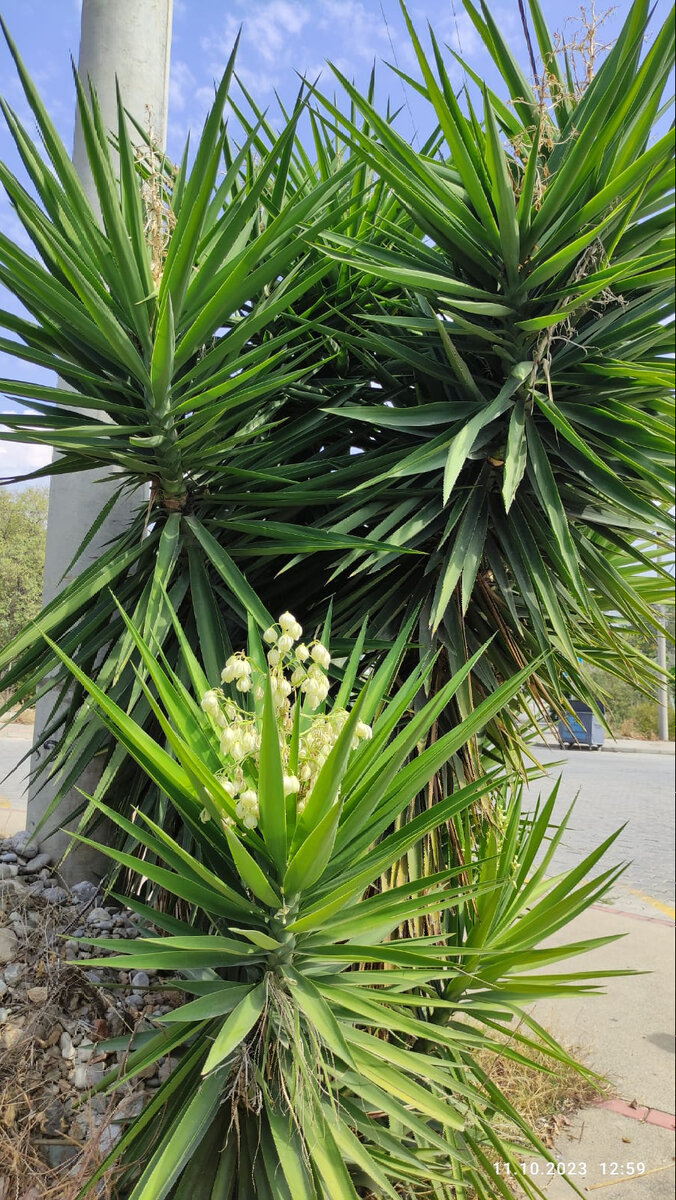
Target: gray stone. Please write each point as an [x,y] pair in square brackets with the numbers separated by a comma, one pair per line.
[97,915]
[87,1075]
[106,926]
[140,980]
[54,1116]
[85,1051]
[20,844]
[66,1044]
[14,889]
[14,972]
[84,891]
[129,1106]
[3,987]
[165,1069]
[93,976]
[4,1013]
[115,1023]
[133,1001]
[56,895]
[36,864]
[9,857]
[11,1034]
[8,870]
[38,995]
[57,1156]
[109,1135]
[9,944]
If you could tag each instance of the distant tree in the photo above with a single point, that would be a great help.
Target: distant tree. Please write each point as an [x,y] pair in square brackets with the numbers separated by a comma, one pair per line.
[23,524]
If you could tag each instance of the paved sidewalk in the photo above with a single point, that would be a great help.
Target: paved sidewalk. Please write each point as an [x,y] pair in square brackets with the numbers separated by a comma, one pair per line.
[613,746]
[627,1035]
[15,741]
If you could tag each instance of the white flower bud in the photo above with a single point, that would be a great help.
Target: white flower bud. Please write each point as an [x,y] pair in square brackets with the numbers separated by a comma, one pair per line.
[210,705]
[230,710]
[270,635]
[298,676]
[302,652]
[205,816]
[243,684]
[228,739]
[258,692]
[273,657]
[229,787]
[321,655]
[250,821]
[363,731]
[291,785]
[284,643]
[228,673]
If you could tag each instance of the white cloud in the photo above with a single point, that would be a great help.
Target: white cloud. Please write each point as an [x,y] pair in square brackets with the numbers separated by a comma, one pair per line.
[181,85]
[18,458]
[270,31]
[365,29]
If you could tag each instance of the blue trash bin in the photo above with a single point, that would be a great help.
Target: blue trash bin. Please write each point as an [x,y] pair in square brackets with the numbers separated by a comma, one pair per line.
[581,729]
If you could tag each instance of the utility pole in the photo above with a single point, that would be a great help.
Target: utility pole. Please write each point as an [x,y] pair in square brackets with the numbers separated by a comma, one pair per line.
[127,40]
[662,687]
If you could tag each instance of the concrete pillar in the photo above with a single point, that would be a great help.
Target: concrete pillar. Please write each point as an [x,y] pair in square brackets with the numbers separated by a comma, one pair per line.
[128,40]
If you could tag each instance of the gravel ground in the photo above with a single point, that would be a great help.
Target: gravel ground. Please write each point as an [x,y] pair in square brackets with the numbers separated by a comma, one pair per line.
[58,1022]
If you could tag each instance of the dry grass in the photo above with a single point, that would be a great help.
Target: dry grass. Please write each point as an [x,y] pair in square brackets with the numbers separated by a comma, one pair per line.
[546,1094]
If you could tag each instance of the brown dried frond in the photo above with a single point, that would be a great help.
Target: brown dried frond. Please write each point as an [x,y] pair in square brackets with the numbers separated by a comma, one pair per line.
[583,45]
[155,196]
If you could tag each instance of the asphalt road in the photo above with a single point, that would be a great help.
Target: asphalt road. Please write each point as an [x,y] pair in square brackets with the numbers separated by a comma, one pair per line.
[636,790]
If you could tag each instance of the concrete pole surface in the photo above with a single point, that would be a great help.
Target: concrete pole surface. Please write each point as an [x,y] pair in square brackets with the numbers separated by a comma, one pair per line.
[128,40]
[662,687]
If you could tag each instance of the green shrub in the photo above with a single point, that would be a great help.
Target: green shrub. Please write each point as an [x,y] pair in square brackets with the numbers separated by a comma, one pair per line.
[328,1045]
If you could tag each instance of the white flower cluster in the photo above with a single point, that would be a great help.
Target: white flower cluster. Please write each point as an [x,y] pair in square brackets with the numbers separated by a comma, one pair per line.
[310,679]
[300,671]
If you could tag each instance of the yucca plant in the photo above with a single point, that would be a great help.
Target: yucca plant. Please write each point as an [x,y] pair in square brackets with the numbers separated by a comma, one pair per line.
[192,313]
[497,298]
[321,1052]
[162,320]
[521,429]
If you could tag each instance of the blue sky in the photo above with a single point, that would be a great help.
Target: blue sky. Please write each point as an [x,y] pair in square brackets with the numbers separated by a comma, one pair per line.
[279,38]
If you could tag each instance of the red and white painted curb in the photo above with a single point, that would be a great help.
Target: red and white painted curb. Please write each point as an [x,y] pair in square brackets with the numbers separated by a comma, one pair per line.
[639,1112]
